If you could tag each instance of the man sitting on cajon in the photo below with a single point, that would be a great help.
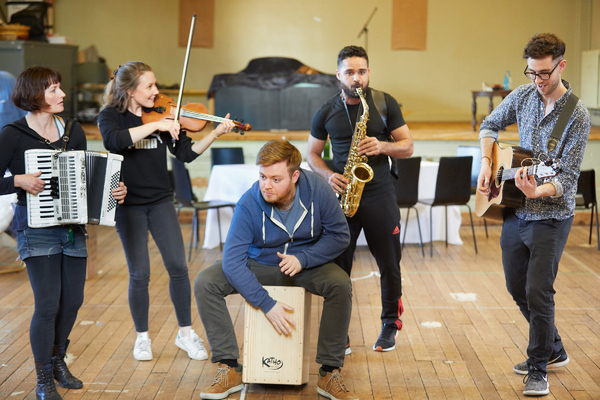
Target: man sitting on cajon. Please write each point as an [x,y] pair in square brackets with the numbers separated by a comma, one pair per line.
[285,231]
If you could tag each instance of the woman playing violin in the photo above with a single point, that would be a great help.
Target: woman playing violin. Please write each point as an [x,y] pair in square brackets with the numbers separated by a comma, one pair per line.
[149,203]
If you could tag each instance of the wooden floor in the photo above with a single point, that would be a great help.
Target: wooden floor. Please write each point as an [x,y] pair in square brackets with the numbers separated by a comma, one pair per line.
[462,333]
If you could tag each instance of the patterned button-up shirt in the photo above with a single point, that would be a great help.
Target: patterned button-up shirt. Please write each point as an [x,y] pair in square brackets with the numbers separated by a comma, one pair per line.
[525,106]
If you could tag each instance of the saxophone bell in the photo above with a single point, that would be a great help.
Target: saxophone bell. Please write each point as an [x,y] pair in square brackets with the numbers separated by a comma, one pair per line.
[362,172]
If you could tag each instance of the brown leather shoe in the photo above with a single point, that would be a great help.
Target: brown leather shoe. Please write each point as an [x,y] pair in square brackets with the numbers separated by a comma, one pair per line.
[331,385]
[228,380]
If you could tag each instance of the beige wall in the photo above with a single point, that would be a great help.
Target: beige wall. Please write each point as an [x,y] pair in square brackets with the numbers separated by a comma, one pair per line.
[468,41]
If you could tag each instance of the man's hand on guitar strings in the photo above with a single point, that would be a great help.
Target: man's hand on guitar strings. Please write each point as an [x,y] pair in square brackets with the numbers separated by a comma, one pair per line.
[483,181]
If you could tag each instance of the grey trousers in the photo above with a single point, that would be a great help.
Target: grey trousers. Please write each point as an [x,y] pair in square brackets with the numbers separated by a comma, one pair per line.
[328,280]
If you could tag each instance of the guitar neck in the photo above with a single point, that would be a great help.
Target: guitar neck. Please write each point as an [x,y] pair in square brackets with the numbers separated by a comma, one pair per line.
[510,173]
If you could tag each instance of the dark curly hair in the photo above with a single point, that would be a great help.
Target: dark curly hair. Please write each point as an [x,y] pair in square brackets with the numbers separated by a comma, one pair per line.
[352,51]
[543,45]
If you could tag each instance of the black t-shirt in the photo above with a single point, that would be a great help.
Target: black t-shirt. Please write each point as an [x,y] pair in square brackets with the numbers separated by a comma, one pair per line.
[334,121]
[14,143]
[144,168]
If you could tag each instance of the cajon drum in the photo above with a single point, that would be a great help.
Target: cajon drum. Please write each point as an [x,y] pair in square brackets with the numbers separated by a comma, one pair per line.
[273,358]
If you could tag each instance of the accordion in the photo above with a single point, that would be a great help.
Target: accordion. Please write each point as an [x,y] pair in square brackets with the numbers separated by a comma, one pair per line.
[78,187]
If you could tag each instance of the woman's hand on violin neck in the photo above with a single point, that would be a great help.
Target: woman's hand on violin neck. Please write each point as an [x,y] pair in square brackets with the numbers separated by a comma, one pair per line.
[224,127]
[168,126]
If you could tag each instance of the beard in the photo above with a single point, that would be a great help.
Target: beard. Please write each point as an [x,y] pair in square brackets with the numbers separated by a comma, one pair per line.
[550,88]
[350,91]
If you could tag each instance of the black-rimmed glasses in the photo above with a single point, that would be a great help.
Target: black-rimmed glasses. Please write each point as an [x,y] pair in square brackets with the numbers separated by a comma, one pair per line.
[543,75]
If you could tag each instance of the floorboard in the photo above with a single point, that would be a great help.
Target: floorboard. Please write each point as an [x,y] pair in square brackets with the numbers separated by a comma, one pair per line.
[462,332]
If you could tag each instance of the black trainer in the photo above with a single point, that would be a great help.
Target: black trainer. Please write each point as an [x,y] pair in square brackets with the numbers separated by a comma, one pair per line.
[556,361]
[348,349]
[387,338]
[536,383]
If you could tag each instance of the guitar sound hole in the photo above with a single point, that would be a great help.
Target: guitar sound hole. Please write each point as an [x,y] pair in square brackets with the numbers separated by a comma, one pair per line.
[498,179]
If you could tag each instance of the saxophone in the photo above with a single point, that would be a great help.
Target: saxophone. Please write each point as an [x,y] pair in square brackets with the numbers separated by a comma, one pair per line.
[357,171]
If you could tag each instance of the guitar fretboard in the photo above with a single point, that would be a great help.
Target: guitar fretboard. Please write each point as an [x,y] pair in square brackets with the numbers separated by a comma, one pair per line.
[507,174]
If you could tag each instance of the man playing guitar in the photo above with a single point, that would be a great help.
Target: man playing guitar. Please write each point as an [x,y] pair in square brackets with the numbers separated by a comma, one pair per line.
[534,234]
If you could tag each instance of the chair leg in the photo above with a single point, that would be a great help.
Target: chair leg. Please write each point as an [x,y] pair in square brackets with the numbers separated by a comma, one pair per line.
[446,210]
[194,223]
[219,221]
[405,228]
[472,228]
[597,233]
[430,231]
[420,236]
[485,224]
[591,224]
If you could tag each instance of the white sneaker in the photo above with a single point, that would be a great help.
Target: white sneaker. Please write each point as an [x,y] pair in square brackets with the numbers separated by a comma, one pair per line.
[193,345]
[142,350]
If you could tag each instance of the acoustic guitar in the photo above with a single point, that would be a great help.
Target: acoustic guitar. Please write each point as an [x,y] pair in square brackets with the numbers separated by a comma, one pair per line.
[503,194]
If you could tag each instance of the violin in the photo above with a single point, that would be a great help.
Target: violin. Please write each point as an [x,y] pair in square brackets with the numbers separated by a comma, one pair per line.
[194,116]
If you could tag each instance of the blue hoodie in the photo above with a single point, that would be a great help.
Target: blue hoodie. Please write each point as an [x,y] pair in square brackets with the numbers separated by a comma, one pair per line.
[320,234]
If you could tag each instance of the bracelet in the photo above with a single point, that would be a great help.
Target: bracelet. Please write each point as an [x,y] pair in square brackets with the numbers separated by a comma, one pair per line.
[487,158]
[212,133]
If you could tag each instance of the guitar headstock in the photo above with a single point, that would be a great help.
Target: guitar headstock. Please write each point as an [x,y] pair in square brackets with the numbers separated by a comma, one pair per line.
[547,170]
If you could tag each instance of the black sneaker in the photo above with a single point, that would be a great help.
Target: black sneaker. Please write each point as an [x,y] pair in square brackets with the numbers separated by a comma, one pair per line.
[348,349]
[387,338]
[536,383]
[556,361]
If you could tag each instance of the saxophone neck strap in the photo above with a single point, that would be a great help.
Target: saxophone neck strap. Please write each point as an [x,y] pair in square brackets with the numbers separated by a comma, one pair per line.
[380,105]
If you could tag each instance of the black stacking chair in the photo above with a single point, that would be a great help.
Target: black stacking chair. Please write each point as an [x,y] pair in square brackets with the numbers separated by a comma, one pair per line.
[226,155]
[586,198]
[407,190]
[475,152]
[452,188]
[186,199]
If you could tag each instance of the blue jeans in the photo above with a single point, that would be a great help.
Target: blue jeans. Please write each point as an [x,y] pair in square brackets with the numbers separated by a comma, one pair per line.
[531,252]
[63,239]
[133,224]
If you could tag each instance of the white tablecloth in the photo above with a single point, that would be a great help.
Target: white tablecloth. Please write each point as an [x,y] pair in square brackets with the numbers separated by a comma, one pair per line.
[230,182]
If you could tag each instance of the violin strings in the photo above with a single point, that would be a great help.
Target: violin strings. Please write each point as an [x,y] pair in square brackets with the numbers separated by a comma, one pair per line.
[207,117]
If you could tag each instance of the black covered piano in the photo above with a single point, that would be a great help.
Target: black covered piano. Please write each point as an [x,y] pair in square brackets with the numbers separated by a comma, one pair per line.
[273,93]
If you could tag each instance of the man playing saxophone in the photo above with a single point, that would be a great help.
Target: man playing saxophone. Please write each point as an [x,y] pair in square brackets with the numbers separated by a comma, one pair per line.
[378,214]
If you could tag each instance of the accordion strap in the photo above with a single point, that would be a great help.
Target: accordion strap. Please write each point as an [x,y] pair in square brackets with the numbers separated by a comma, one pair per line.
[36,136]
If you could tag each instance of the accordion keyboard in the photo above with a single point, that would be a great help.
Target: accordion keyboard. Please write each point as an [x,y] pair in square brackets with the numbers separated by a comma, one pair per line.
[63,200]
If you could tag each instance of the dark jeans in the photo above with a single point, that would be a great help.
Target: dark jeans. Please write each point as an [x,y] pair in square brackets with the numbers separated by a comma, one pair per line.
[328,280]
[379,217]
[57,282]
[133,224]
[531,252]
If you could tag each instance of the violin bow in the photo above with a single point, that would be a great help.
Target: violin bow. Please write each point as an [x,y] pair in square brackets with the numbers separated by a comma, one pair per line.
[185,65]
